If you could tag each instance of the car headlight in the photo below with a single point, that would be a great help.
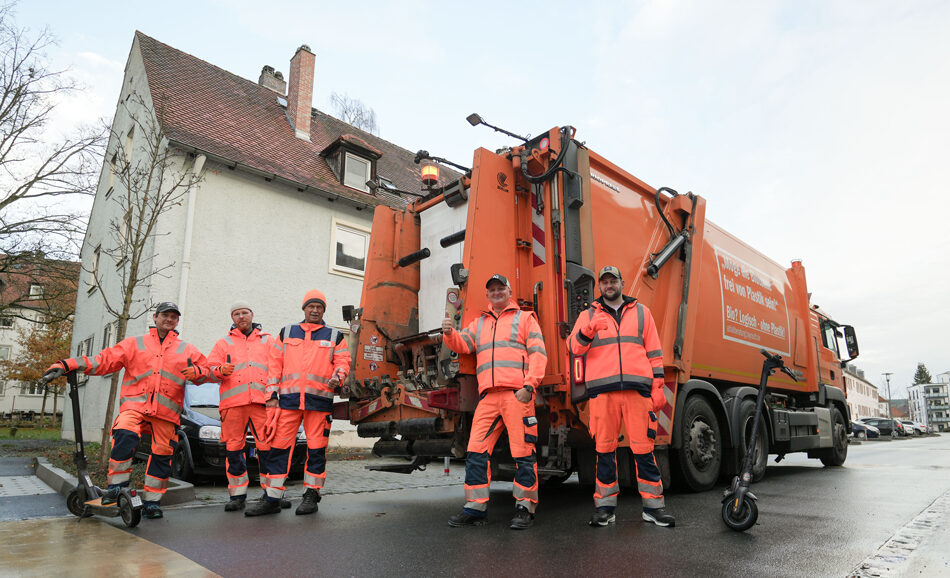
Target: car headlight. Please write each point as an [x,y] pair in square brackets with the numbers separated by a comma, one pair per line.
[209,432]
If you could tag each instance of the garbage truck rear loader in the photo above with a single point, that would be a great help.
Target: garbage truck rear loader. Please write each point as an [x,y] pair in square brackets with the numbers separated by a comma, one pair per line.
[547,215]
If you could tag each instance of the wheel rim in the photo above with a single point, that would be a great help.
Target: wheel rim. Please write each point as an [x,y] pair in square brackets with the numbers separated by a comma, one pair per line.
[702,444]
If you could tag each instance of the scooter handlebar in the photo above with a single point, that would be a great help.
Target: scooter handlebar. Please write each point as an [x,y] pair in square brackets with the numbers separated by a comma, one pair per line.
[51,375]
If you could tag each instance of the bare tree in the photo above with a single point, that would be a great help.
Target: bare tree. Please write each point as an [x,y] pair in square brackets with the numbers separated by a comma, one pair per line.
[354,112]
[37,173]
[150,179]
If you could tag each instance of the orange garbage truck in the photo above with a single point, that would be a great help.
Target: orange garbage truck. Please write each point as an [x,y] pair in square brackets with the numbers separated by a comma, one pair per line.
[547,215]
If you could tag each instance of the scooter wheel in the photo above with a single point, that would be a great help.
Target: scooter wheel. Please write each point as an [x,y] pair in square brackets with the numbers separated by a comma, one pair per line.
[130,516]
[76,502]
[740,519]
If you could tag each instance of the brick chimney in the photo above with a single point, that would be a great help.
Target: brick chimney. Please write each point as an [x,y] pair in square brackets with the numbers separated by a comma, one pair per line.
[300,91]
[273,80]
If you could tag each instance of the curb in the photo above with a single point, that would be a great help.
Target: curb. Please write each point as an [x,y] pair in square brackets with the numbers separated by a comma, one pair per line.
[178,492]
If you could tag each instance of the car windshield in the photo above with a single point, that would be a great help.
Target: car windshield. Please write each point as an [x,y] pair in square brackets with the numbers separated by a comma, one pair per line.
[202,395]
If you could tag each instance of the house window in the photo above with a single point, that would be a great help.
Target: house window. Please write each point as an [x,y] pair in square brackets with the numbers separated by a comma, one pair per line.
[36,290]
[94,268]
[110,178]
[349,244]
[6,322]
[84,348]
[108,336]
[127,152]
[356,172]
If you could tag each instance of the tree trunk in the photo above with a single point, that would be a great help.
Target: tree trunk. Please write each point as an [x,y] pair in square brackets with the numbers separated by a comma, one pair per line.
[107,424]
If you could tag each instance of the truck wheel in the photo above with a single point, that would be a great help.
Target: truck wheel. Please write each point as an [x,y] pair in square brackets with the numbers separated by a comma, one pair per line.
[746,416]
[700,457]
[838,452]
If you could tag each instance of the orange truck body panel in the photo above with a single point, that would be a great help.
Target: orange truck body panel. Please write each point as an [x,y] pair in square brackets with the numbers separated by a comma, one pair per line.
[716,302]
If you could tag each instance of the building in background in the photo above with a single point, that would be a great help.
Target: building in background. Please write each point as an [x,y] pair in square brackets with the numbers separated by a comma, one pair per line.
[32,291]
[277,202]
[862,395]
[930,403]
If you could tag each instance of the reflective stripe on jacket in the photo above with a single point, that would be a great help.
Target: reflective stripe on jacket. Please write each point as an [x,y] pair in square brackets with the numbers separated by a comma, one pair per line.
[152,383]
[249,355]
[624,356]
[301,368]
[509,349]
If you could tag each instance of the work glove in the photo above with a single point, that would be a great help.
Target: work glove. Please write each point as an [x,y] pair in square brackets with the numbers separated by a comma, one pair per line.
[227,368]
[659,398]
[191,372]
[58,369]
[596,325]
[336,377]
[270,427]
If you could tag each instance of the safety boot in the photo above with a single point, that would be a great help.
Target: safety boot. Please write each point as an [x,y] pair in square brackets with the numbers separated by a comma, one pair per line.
[111,495]
[602,517]
[309,504]
[465,518]
[523,519]
[234,505]
[152,511]
[284,502]
[263,507]
[659,516]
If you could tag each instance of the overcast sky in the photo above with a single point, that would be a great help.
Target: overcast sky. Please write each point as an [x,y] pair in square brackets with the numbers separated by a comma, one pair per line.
[816,130]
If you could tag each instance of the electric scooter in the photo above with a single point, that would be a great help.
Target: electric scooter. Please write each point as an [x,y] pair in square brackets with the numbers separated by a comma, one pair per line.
[85,499]
[739,509]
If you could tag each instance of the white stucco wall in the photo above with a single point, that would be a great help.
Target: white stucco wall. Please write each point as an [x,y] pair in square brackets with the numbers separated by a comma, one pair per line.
[862,396]
[12,397]
[254,240]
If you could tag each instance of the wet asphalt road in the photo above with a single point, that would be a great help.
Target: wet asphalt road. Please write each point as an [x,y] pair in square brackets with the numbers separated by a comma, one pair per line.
[813,521]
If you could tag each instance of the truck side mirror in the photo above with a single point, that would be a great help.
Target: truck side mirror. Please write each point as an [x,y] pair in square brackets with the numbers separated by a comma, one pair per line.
[851,341]
[348,313]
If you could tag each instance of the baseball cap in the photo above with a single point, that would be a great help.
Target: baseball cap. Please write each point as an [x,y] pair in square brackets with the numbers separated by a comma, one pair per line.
[166,306]
[609,270]
[497,277]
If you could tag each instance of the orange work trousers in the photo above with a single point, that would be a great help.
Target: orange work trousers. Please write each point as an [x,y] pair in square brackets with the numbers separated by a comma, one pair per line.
[628,410]
[497,411]
[127,430]
[316,425]
[234,424]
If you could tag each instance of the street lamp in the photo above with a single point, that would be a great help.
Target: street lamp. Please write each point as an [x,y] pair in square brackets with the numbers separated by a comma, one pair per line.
[887,376]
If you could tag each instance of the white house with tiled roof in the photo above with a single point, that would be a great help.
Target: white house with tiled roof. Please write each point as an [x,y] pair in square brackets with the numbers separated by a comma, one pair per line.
[277,203]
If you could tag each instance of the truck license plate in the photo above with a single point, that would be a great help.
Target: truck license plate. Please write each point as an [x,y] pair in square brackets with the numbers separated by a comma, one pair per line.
[136,501]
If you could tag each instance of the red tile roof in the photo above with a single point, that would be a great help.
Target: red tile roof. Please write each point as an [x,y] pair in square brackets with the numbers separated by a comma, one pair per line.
[220,113]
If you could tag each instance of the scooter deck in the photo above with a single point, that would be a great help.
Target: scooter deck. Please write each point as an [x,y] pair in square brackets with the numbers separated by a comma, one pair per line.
[98,503]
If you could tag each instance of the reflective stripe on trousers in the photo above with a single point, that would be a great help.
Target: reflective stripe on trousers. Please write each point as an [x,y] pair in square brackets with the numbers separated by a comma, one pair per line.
[119,471]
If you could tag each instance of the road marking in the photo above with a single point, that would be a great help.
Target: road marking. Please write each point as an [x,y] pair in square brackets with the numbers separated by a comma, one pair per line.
[12,486]
[892,557]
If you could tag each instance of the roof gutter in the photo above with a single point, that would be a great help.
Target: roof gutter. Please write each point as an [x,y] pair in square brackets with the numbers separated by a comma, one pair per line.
[271,176]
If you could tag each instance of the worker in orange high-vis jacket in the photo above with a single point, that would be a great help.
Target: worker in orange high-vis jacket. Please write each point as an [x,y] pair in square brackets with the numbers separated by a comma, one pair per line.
[311,363]
[153,390]
[624,378]
[239,363]
[510,361]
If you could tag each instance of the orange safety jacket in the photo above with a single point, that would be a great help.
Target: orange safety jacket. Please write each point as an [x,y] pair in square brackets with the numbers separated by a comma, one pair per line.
[152,384]
[249,355]
[623,356]
[301,368]
[509,349]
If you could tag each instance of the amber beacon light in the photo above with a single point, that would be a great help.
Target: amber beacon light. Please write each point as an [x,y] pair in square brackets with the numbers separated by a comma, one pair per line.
[430,175]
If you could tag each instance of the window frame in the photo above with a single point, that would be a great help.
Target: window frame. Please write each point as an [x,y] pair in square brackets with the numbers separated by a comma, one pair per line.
[342,270]
[7,322]
[347,156]
[91,279]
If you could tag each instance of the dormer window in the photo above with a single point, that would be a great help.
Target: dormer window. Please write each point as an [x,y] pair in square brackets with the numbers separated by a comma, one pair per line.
[356,172]
[352,160]
[36,290]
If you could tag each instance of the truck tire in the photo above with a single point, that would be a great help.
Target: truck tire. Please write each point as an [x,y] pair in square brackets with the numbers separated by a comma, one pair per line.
[746,415]
[700,457]
[838,452]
